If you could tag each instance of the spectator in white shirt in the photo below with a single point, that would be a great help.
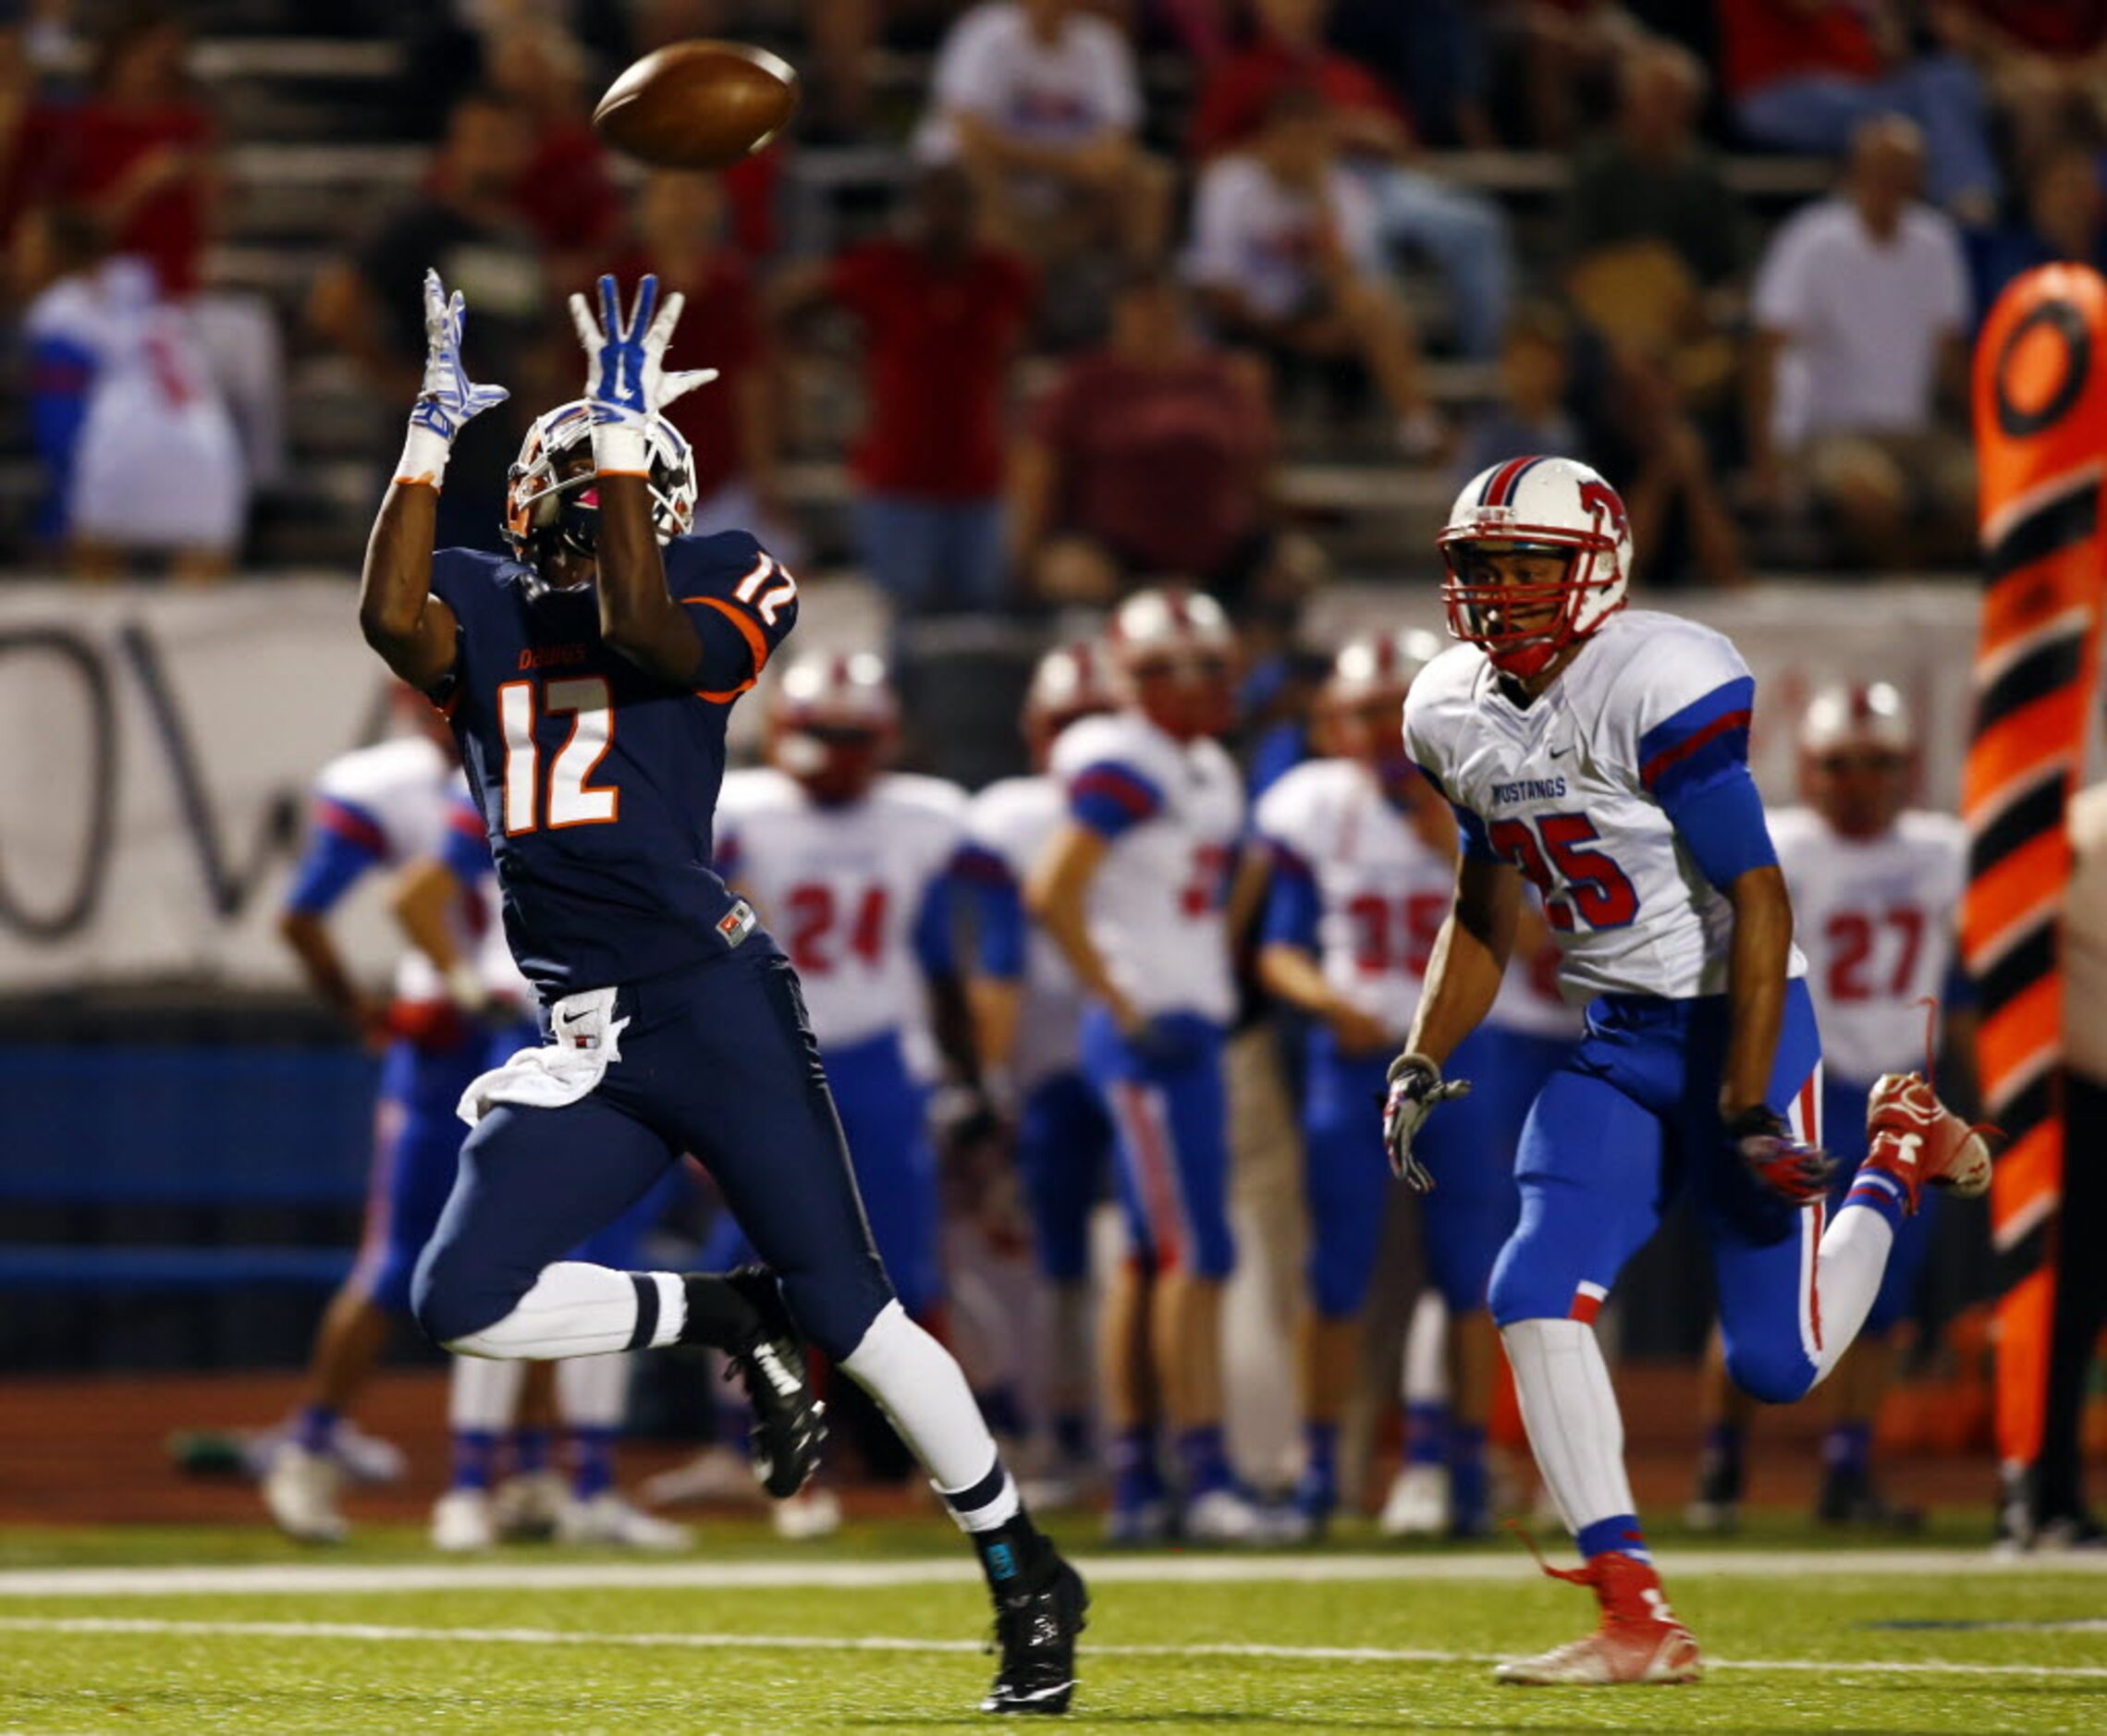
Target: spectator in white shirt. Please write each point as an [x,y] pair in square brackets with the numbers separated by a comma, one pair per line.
[1287,256]
[1041,101]
[1860,309]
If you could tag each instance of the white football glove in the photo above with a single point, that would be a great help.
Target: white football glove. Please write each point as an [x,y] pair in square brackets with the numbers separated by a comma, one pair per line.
[1415,1087]
[626,380]
[449,399]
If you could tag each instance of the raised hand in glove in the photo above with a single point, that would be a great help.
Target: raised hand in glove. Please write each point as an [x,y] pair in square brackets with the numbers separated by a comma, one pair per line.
[1416,1088]
[626,381]
[1793,1171]
[448,401]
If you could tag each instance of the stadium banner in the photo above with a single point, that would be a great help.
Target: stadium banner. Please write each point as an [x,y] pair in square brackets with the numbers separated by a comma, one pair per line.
[155,804]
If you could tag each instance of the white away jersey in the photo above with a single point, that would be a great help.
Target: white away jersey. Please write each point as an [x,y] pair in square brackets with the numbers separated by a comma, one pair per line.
[1012,821]
[1570,790]
[1876,918]
[1382,890]
[844,890]
[395,800]
[1156,904]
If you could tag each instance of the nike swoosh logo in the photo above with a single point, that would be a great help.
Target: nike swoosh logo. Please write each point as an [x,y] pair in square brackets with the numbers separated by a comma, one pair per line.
[1559,752]
[574,1017]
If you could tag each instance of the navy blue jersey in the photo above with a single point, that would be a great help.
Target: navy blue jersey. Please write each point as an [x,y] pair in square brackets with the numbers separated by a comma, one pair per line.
[596,781]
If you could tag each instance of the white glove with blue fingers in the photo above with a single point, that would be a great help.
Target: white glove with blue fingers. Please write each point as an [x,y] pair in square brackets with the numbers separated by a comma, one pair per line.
[1416,1087]
[626,380]
[449,399]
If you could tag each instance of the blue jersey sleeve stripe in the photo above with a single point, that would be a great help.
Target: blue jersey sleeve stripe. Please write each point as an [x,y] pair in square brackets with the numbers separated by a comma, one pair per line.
[347,820]
[999,927]
[1724,710]
[1476,844]
[1720,820]
[1287,862]
[978,865]
[1119,784]
[1290,914]
[332,863]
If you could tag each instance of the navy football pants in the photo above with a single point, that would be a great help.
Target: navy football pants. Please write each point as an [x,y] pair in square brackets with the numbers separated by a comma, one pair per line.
[719,1061]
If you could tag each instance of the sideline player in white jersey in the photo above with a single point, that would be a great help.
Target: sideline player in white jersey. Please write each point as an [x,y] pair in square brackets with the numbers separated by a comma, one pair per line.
[1603,755]
[446,906]
[1362,858]
[853,865]
[382,805]
[1135,889]
[1026,1015]
[1876,901]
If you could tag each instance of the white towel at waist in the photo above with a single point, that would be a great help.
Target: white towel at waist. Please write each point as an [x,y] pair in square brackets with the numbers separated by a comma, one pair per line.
[582,1048]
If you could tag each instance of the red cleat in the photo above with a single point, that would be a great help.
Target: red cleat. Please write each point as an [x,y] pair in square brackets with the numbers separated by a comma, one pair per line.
[1639,1641]
[1915,1139]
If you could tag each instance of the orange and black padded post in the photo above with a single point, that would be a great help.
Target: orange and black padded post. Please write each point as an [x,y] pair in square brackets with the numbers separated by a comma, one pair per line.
[2040,419]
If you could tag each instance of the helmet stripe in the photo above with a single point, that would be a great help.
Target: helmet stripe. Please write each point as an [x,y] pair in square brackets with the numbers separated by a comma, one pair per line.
[1502,481]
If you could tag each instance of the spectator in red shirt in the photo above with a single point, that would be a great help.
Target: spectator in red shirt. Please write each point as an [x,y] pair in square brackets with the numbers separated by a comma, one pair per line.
[942,317]
[1150,458]
[1802,74]
[139,154]
[1462,232]
[732,422]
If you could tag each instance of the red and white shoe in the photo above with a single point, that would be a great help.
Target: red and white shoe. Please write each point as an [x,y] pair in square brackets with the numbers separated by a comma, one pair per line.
[1639,1641]
[1916,1139]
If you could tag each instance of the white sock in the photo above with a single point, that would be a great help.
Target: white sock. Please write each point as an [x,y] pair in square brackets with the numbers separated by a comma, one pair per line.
[593,1391]
[1570,1410]
[922,1389]
[578,1310]
[483,1395]
[1427,1350]
[1852,1259]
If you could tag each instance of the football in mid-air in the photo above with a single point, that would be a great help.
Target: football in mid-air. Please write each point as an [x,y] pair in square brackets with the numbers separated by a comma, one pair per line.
[698,104]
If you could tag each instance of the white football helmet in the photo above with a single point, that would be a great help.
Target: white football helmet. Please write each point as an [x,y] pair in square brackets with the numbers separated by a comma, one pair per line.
[1545,505]
[1176,656]
[833,721]
[1072,682]
[551,497]
[1857,715]
[1375,667]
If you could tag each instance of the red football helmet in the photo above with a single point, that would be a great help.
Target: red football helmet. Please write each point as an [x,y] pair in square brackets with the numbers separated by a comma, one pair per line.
[1544,510]
[1360,709]
[833,721]
[1072,682]
[1858,753]
[1176,658]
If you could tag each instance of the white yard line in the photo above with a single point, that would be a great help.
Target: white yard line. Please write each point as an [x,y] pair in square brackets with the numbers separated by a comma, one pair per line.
[376,1632]
[1482,1567]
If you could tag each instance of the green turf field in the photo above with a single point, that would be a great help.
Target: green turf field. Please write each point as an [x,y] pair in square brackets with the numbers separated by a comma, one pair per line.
[234,1631]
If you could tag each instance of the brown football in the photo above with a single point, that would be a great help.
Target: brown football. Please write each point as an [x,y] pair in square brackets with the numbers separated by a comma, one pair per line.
[697,105]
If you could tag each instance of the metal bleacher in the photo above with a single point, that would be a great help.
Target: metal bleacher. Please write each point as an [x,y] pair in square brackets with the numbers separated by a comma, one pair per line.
[312,166]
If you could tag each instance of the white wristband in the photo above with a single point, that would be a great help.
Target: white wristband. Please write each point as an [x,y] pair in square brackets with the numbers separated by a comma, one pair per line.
[622,447]
[425,456]
[465,987]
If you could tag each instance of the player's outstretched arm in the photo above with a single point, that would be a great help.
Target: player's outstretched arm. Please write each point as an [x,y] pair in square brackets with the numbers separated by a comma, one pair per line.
[1469,959]
[1756,984]
[627,387]
[412,630]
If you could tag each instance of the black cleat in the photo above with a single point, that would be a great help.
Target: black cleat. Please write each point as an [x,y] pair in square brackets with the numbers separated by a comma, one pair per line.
[1848,1498]
[1035,1631]
[789,1424]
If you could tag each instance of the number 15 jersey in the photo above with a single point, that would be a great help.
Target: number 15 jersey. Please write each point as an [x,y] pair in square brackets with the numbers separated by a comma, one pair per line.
[597,783]
[1575,789]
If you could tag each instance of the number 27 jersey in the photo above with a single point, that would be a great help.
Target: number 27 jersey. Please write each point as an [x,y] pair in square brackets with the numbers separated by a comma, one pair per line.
[1574,789]
[597,782]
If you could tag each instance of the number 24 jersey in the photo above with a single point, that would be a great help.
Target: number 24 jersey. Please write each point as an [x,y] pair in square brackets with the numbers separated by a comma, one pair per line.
[1571,789]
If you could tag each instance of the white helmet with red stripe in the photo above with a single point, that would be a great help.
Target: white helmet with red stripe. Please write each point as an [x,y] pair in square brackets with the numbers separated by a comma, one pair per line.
[1857,756]
[1176,656]
[1542,505]
[1379,667]
[1072,682]
[832,722]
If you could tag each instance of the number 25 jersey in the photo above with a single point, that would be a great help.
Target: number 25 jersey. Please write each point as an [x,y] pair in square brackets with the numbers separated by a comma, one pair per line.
[1576,788]
[597,783]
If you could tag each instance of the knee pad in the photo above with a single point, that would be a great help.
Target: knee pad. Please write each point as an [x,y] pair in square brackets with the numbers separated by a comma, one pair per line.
[1769,1368]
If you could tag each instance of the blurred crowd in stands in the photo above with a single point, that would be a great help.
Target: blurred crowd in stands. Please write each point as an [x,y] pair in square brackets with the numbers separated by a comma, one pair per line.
[1125,264]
